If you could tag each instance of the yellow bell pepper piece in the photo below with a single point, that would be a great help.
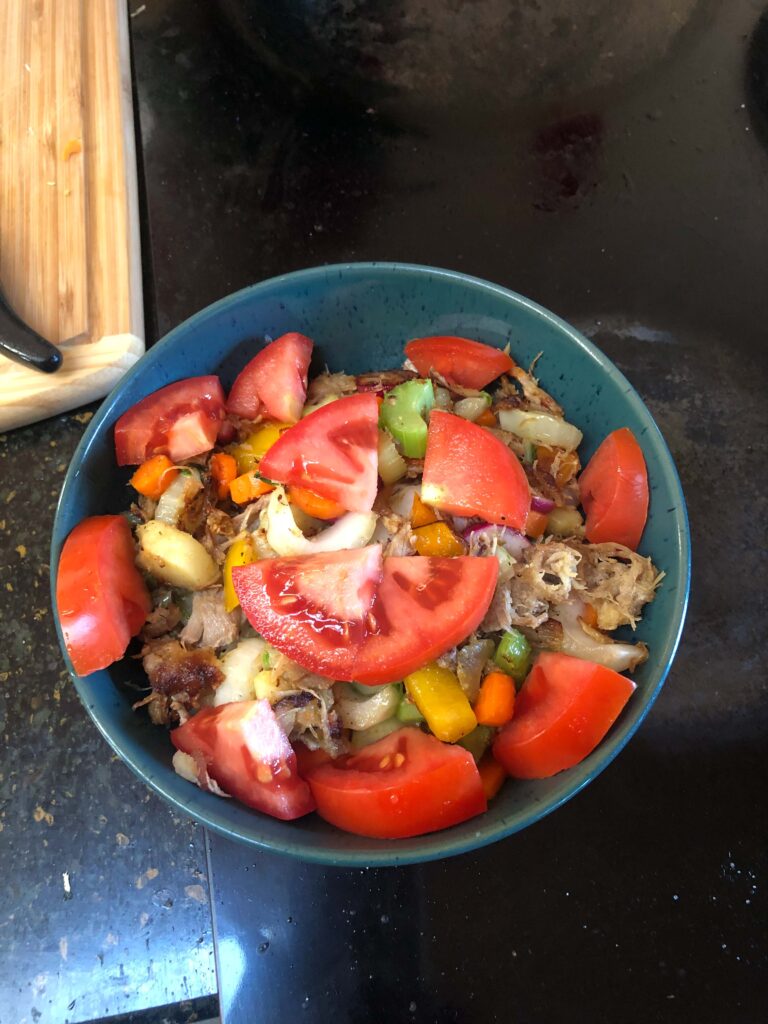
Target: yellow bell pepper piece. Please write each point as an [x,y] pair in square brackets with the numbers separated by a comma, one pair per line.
[421,514]
[437,539]
[241,552]
[250,451]
[437,694]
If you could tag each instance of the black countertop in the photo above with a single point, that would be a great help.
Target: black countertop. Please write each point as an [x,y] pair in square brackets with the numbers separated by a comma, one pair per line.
[611,164]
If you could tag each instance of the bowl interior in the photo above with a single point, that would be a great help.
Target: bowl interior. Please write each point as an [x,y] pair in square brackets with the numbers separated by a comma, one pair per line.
[360,316]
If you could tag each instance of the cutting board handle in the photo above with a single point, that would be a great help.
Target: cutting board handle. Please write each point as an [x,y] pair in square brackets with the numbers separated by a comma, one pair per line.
[19,342]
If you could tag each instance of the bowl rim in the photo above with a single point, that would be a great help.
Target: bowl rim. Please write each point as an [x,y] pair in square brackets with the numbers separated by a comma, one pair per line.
[437,845]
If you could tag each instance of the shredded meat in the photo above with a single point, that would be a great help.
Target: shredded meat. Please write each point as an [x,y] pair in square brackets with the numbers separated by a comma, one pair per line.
[383,381]
[550,569]
[218,531]
[415,468]
[161,620]
[174,671]
[394,533]
[515,604]
[209,624]
[536,396]
[616,581]
[247,518]
[330,385]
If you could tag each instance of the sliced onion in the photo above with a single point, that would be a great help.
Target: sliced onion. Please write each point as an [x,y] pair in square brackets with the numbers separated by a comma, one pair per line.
[442,398]
[471,408]
[400,499]
[392,466]
[359,711]
[177,495]
[539,504]
[581,644]
[470,662]
[512,541]
[352,530]
[540,428]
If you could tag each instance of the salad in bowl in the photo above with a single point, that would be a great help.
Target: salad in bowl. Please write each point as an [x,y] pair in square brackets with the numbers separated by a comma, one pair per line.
[380,597]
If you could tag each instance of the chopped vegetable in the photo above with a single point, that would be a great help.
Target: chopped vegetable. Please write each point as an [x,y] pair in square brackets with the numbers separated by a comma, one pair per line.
[492,775]
[248,487]
[614,491]
[535,524]
[239,666]
[408,713]
[487,418]
[421,514]
[472,408]
[437,539]
[513,655]
[439,697]
[403,415]
[153,476]
[175,557]
[314,505]
[223,468]
[477,741]
[392,466]
[240,552]
[274,381]
[541,428]
[252,450]
[495,704]
[357,711]
[365,737]
[562,465]
[565,522]
[471,659]
[175,499]
[463,361]
[352,530]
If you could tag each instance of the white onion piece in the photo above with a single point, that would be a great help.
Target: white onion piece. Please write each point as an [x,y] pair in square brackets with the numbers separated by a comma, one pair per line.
[357,711]
[170,507]
[577,642]
[471,408]
[240,666]
[540,428]
[392,465]
[352,530]
[185,766]
[401,499]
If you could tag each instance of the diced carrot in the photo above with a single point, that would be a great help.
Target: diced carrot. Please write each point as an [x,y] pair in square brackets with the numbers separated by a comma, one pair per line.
[486,419]
[589,615]
[495,703]
[535,524]
[248,487]
[437,539]
[492,775]
[154,476]
[422,514]
[223,469]
[314,504]
[565,464]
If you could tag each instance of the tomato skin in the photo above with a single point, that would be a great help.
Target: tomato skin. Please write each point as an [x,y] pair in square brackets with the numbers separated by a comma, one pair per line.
[274,381]
[469,472]
[249,755]
[564,709]
[180,420]
[332,452]
[407,784]
[472,364]
[350,615]
[614,491]
[101,598]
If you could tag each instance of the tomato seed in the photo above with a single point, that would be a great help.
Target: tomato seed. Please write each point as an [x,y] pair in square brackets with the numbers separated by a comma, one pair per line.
[399,760]
[385,761]
[263,774]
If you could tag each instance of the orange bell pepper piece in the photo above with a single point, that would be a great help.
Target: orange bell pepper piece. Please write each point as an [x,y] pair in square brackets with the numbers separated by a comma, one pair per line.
[154,476]
[495,703]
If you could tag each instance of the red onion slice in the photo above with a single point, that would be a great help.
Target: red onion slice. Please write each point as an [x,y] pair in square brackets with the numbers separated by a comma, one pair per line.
[539,504]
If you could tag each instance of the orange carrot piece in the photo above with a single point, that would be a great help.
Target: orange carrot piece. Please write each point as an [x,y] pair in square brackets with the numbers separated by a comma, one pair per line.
[248,487]
[589,615]
[154,476]
[223,469]
[492,775]
[314,504]
[421,513]
[495,703]
[486,419]
[535,524]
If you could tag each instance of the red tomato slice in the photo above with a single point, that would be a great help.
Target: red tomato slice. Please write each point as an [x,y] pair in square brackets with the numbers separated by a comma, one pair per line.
[333,452]
[180,420]
[564,709]
[407,784]
[312,608]
[274,382]
[249,755]
[101,598]
[423,608]
[337,615]
[469,472]
[614,491]
[471,364]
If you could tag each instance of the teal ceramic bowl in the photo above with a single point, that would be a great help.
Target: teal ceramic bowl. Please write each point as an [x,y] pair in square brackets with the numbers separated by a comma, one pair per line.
[359,316]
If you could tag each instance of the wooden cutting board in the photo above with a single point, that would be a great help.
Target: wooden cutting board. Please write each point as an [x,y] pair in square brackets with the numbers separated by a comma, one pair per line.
[70,260]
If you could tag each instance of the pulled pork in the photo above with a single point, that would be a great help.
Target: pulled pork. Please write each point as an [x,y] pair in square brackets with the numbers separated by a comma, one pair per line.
[181,680]
[210,625]
[616,581]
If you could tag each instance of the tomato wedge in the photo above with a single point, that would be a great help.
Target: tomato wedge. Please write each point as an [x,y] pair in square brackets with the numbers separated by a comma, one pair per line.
[351,615]
[249,755]
[407,784]
[472,364]
[469,472]
[180,420]
[332,452]
[274,381]
[564,709]
[101,598]
[614,491]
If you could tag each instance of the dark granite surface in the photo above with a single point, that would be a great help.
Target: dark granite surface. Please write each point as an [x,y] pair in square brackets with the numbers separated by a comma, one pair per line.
[612,166]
